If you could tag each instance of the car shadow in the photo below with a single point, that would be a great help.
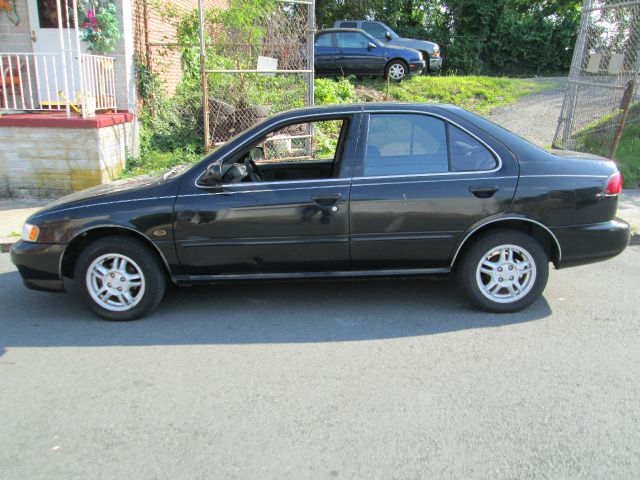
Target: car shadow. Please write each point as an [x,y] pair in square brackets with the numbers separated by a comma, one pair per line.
[250,313]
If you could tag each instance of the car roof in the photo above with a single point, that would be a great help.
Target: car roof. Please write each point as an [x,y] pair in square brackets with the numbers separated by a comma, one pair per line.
[336,30]
[366,106]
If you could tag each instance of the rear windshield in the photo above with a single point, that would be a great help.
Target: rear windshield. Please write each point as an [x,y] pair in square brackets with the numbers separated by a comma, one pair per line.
[492,128]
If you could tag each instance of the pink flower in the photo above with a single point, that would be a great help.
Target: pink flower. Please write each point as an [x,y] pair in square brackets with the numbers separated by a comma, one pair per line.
[93,21]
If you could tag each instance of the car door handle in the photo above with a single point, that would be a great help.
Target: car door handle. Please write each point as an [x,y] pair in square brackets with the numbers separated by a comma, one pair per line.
[327,201]
[483,191]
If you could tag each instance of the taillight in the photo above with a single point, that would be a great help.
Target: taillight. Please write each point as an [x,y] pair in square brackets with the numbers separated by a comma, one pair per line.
[614,184]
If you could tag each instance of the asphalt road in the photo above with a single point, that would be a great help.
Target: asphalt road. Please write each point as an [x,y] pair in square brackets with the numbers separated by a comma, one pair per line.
[353,379]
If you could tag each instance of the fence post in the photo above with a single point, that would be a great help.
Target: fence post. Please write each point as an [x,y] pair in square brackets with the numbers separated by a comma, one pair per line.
[624,106]
[311,40]
[203,79]
[63,60]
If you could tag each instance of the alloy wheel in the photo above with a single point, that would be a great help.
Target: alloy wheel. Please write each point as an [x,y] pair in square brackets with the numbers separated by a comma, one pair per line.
[506,273]
[115,282]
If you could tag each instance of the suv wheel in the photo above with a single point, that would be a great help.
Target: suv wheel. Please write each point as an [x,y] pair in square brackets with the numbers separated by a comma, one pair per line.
[120,278]
[504,271]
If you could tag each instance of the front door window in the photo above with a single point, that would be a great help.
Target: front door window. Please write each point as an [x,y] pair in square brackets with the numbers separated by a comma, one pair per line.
[48,14]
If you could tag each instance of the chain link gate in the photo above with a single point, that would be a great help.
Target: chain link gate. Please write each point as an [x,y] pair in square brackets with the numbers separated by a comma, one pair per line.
[258,70]
[602,91]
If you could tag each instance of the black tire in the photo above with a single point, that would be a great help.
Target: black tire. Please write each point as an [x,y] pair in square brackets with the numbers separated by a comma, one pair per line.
[218,107]
[152,276]
[470,278]
[394,64]
[426,70]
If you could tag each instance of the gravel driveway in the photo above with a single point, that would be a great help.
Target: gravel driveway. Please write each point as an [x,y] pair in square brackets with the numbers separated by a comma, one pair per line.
[533,117]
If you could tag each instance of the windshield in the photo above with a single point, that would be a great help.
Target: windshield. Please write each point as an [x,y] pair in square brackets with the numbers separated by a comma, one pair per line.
[393,34]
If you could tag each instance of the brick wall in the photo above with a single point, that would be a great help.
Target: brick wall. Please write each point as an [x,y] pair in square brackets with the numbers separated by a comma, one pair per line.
[164,58]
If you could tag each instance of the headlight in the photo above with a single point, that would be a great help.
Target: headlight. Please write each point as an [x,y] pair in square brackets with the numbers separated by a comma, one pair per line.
[30,233]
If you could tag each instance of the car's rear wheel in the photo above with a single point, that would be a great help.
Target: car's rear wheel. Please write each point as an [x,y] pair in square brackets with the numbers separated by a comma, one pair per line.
[396,70]
[120,278]
[503,271]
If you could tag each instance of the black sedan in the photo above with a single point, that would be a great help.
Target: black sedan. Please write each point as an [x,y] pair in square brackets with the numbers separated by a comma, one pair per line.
[333,192]
[345,51]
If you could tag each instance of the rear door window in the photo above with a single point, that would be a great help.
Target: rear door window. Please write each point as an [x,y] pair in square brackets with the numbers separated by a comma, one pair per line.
[351,40]
[467,153]
[405,144]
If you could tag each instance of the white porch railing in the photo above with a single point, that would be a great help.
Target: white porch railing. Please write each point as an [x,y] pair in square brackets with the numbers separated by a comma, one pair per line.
[36,82]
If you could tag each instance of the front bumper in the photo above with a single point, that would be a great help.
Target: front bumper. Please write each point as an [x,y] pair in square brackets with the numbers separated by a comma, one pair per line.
[582,244]
[416,67]
[39,265]
[435,64]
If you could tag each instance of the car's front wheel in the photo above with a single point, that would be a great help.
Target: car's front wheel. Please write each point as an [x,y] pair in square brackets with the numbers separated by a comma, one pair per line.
[503,271]
[120,278]
[396,70]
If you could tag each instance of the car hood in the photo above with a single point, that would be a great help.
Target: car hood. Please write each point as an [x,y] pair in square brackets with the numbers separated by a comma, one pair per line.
[413,44]
[101,192]
[400,48]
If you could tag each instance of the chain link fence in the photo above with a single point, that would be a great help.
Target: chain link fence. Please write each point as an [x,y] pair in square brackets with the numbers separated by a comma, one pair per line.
[253,71]
[602,92]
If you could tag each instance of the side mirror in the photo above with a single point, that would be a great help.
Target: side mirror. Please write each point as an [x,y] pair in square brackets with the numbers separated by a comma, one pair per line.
[256,153]
[387,35]
[213,174]
[371,46]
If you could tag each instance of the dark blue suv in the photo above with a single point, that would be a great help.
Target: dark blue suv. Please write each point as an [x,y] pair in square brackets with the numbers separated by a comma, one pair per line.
[345,51]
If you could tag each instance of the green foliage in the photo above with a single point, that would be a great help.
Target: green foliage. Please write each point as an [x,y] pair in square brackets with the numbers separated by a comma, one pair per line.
[596,139]
[157,161]
[515,37]
[99,22]
[475,93]
[328,91]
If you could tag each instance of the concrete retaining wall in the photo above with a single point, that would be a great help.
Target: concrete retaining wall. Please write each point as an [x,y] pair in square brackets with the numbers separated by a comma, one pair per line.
[51,162]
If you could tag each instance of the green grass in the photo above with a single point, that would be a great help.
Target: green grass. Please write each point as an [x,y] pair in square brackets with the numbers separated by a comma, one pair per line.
[476,93]
[157,161]
[596,139]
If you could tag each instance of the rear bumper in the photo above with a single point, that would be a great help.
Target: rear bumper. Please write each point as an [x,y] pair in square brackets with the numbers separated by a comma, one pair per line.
[582,244]
[39,265]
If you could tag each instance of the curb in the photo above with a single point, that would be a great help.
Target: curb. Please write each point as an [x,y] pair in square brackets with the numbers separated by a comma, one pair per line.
[5,247]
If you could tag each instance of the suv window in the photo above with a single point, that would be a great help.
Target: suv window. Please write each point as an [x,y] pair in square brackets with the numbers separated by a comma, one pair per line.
[405,144]
[467,153]
[324,40]
[351,40]
[375,30]
[349,25]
